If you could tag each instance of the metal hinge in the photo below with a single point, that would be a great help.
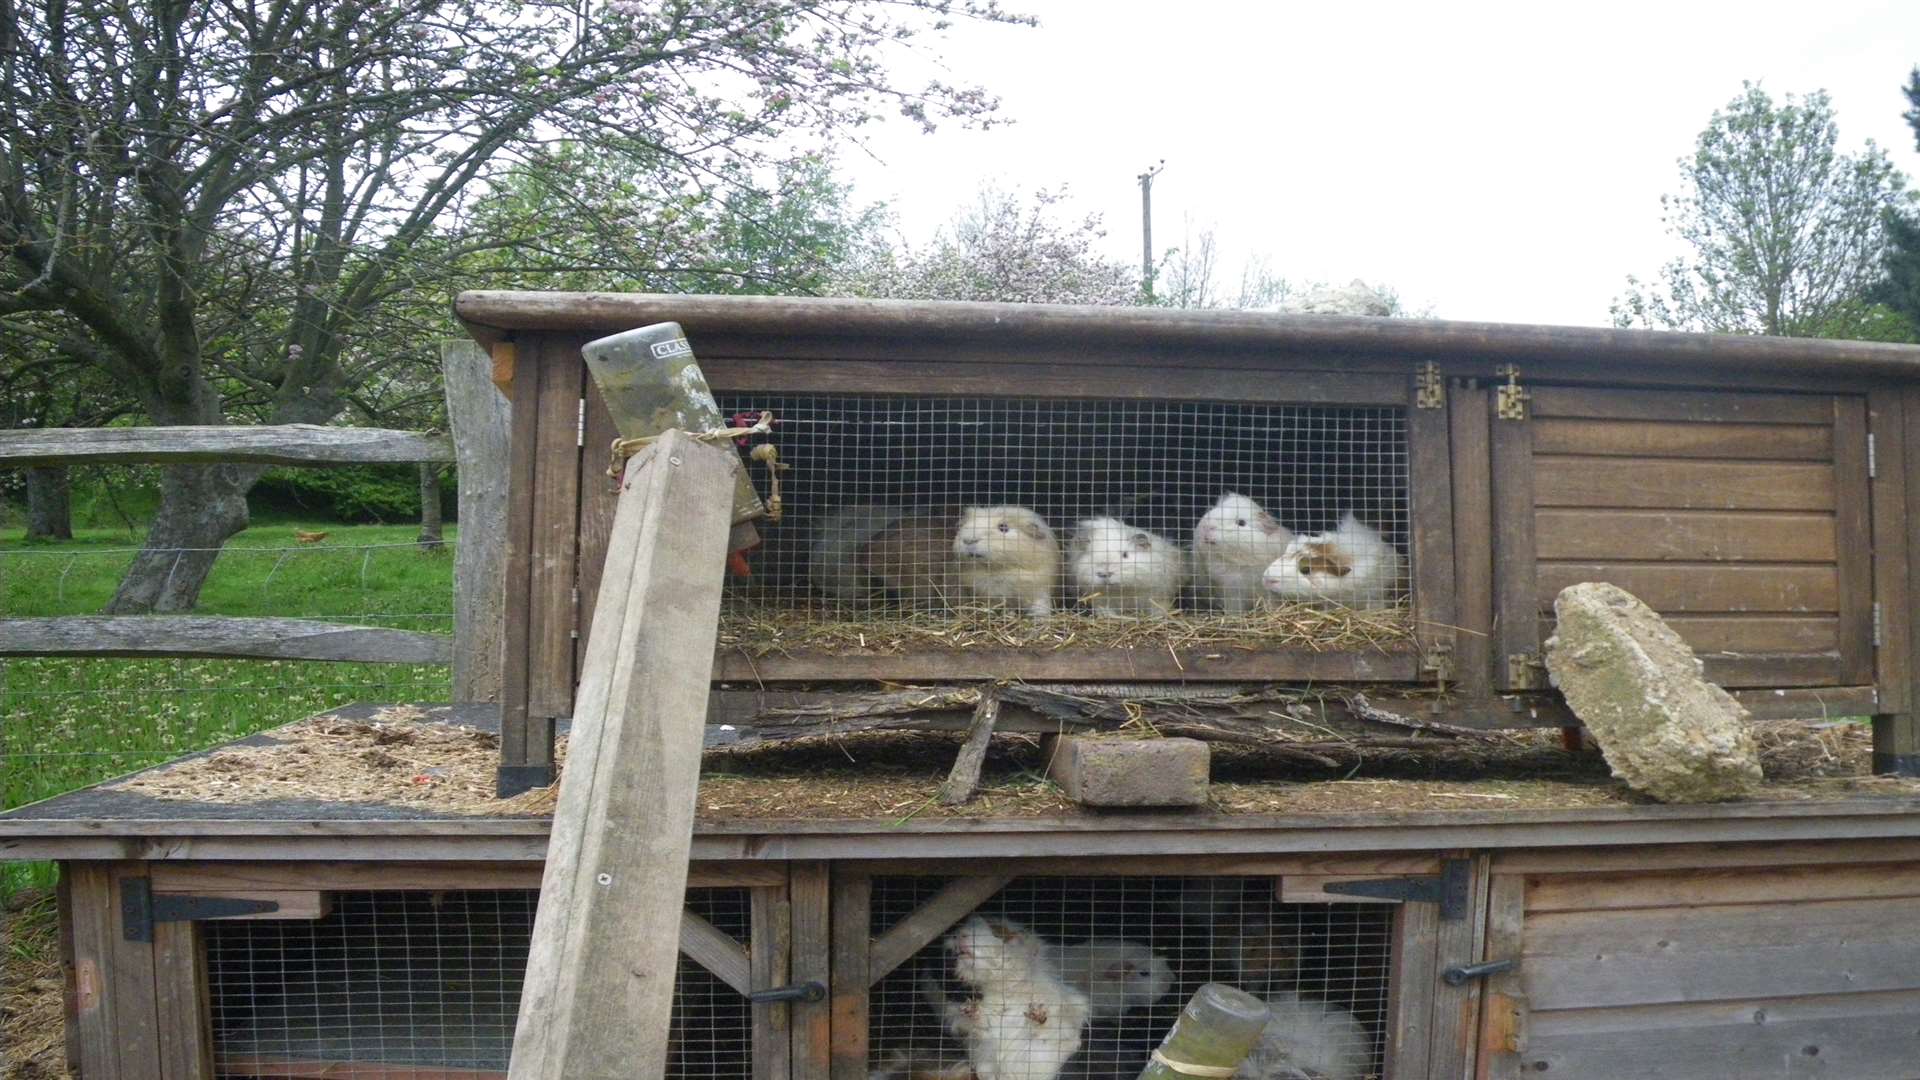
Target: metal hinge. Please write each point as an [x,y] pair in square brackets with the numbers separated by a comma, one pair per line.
[1510,401]
[580,424]
[1525,671]
[576,613]
[1429,391]
[1452,890]
[1873,463]
[140,909]
[1876,624]
[1438,659]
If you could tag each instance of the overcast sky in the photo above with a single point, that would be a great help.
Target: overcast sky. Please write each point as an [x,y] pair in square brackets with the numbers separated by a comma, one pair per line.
[1494,161]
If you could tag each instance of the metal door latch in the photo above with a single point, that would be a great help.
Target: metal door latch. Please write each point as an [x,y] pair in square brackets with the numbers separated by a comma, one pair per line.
[806,991]
[1460,976]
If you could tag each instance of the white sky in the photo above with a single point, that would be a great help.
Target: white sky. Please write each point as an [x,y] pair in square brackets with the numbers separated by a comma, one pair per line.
[1495,161]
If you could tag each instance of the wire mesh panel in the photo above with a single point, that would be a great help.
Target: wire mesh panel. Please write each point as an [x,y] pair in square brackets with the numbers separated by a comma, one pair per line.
[1025,508]
[397,981]
[1082,977]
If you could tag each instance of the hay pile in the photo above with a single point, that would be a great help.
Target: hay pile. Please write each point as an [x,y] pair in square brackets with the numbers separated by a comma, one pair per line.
[760,629]
[391,759]
[32,992]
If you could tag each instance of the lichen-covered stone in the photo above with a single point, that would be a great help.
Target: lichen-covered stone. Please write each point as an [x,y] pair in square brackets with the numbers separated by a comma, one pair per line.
[1664,729]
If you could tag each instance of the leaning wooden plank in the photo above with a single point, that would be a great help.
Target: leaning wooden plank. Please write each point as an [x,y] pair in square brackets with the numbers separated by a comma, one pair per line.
[481,417]
[933,918]
[219,636]
[714,949]
[599,986]
[279,444]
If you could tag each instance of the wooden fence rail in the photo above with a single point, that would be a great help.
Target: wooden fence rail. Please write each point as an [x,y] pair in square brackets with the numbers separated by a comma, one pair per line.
[219,636]
[284,444]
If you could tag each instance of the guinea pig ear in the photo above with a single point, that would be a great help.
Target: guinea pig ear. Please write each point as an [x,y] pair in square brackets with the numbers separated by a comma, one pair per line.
[1032,526]
[1142,541]
[1268,523]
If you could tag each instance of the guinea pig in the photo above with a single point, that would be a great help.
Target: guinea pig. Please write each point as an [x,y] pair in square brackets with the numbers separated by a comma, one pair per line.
[1234,544]
[834,559]
[912,559]
[1124,571]
[1244,946]
[1006,555]
[1023,1021]
[1116,975]
[1307,1038]
[1352,565]
[901,1065]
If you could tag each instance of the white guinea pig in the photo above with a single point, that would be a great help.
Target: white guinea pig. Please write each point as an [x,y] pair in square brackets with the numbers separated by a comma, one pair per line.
[1023,1021]
[1117,975]
[1352,565]
[1007,555]
[1124,571]
[1234,544]
[1307,1038]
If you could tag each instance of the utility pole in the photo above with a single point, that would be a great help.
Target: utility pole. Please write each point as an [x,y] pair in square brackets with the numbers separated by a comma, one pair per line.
[1146,226]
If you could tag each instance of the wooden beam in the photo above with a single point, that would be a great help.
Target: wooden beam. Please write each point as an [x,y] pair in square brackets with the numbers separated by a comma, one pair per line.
[929,921]
[116,1008]
[276,444]
[599,988]
[850,1007]
[770,947]
[714,949]
[481,418]
[219,636]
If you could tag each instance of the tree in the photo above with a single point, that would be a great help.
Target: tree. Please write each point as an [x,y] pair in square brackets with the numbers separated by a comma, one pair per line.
[1784,233]
[1004,247]
[1899,290]
[209,201]
[1190,276]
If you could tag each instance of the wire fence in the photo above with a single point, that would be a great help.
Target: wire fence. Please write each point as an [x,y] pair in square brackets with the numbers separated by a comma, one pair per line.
[67,722]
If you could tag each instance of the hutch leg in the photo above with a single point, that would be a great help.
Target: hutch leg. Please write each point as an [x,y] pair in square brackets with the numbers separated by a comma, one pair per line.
[1896,744]
[116,1012]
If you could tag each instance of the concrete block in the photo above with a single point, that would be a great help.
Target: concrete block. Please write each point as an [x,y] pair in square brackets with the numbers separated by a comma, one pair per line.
[1130,772]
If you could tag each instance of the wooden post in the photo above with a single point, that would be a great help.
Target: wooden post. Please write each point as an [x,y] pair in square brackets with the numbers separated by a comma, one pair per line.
[479,415]
[599,987]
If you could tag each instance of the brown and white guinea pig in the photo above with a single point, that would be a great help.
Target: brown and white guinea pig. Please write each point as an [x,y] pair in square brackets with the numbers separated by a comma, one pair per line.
[1006,555]
[1352,565]
[1023,1021]
[1244,946]
[1124,571]
[1233,544]
[834,563]
[1308,1038]
[911,558]
[1117,975]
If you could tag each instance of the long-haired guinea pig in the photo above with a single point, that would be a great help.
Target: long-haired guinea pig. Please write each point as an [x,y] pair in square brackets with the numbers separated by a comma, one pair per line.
[1308,1038]
[1124,571]
[834,559]
[912,559]
[901,1065]
[1117,975]
[1006,555]
[1352,565]
[1234,544]
[1023,1021]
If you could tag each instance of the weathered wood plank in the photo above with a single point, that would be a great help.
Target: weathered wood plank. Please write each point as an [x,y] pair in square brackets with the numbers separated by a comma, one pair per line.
[118,1007]
[598,492]
[1705,587]
[933,918]
[1757,633]
[1893,660]
[185,1019]
[1857,1036]
[1735,671]
[599,986]
[1187,382]
[1703,856]
[1473,544]
[1684,535]
[1588,959]
[1599,482]
[1503,1006]
[1687,406]
[1653,438]
[1609,892]
[1456,1009]
[714,949]
[481,419]
[219,636]
[965,774]
[553,610]
[233,879]
[817,918]
[733,665]
[266,444]
[1430,492]
[525,754]
[769,944]
[1515,613]
[1854,535]
[1410,987]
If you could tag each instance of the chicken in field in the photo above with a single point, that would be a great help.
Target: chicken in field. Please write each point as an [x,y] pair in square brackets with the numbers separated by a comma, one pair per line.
[308,537]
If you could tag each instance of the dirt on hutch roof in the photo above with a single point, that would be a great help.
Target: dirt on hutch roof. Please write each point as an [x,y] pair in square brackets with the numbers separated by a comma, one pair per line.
[400,757]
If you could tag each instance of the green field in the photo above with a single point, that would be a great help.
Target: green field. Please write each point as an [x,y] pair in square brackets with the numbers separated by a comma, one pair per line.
[66,723]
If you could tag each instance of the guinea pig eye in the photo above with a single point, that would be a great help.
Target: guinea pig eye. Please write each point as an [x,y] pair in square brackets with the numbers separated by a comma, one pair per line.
[1306,568]
[1004,527]
[1126,555]
[1242,523]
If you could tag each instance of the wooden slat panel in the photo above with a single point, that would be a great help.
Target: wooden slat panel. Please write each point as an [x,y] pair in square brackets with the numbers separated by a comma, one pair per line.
[1854,532]
[769,943]
[1705,587]
[481,420]
[1856,1036]
[1593,892]
[1515,609]
[1169,383]
[1503,1008]
[1585,959]
[556,508]
[1456,1009]
[1682,485]
[1431,516]
[1410,987]
[117,1008]
[1683,535]
[1751,633]
[852,923]
[185,1018]
[598,493]
[811,896]
[1473,532]
[1646,438]
[1681,405]
[1732,672]
[1893,671]
[523,418]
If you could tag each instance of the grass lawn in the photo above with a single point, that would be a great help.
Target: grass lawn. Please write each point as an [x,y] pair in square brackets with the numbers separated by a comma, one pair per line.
[67,723]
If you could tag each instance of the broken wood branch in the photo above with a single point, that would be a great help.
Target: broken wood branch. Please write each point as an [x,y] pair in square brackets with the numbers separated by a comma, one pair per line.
[965,777]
